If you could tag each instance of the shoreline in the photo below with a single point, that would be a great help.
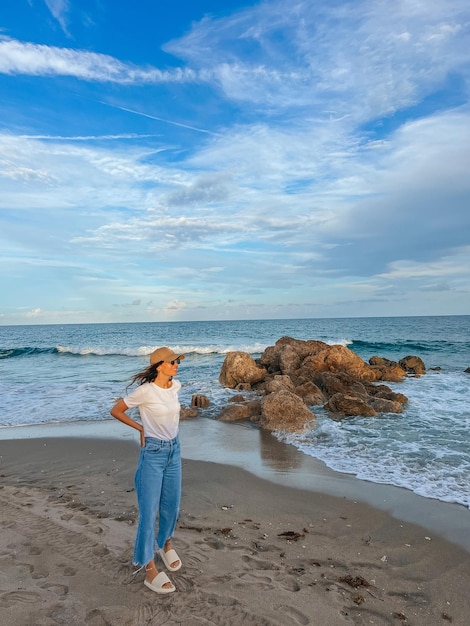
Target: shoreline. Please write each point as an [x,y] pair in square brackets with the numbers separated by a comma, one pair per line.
[261,454]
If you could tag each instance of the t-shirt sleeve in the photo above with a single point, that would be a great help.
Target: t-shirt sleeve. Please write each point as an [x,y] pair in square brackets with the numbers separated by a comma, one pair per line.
[135,397]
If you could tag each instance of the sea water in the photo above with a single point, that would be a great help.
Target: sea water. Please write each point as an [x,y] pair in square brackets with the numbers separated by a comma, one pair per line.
[75,372]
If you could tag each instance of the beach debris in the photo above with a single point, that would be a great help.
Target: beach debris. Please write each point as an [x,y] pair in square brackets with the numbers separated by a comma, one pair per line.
[226,532]
[359,600]
[400,616]
[428,538]
[384,558]
[354,581]
[198,529]
[291,535]
[226,507]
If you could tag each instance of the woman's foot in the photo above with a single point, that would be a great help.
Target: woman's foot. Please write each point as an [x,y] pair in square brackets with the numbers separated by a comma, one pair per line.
[151,573]
[170,557]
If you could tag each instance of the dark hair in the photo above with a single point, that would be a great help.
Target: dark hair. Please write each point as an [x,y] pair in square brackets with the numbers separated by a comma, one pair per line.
[146,375]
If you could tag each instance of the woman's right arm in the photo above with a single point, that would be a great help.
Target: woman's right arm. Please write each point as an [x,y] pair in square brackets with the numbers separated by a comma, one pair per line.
[119,412]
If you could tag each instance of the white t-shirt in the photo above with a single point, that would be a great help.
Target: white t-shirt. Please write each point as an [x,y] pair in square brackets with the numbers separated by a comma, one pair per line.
[159,409]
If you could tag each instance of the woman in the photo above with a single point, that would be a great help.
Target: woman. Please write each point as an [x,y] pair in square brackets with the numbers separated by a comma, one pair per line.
[158,474]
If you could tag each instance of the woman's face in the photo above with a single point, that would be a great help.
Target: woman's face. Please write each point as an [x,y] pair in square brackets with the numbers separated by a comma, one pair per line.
[169,368]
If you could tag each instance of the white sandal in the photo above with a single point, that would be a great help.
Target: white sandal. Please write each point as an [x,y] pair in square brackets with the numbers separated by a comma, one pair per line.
[170,557]
[158,582]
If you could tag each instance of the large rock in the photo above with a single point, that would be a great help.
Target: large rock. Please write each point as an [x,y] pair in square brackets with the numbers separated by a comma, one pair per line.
[343,405]
[339,382]
[337,359]
[388,370]
[310,393]
[382,405]
[238,368]
[413,365]
[382,391]
[200,401]
[278,382]
[287,354]
[188,412]
[284,410]
[240,411]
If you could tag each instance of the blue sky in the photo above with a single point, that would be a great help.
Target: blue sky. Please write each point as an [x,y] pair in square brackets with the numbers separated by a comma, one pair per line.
[279,159]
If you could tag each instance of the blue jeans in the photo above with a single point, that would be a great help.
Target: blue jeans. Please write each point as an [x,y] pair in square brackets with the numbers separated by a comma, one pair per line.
[158,487]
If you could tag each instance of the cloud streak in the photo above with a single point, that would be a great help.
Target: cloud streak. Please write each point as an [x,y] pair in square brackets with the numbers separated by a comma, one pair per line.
[25,58]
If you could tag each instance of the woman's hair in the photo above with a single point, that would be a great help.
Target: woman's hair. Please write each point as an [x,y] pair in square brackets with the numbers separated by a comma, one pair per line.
[146,375]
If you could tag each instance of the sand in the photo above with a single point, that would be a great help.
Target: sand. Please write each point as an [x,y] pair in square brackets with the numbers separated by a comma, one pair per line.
[255,553]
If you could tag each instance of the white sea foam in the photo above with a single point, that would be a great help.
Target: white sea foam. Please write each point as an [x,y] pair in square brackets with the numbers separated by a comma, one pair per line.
[425,449]
[254,349]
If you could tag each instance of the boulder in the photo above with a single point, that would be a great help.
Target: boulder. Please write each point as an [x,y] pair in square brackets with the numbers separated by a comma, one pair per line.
[338,382]
[342,405]
[237,398]
[388,370]
[310,393]
[284,410]
[187,412]
[337,359]
[382,391]
[288,353]
[413,365]
[239,367]
[382,405]
[278,382]
[200,401]
[247,410]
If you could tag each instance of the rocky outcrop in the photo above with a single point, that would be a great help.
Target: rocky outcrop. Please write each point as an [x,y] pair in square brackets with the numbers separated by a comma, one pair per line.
[294,375]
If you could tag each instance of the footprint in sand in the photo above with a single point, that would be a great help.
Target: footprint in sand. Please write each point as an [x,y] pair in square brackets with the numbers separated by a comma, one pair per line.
[19,597]
[39,574]
[60,590]
[258,583]
[260,564]
[215,544]
[294,615]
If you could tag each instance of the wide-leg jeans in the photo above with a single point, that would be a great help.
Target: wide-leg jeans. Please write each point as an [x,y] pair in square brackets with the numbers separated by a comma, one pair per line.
[158,488]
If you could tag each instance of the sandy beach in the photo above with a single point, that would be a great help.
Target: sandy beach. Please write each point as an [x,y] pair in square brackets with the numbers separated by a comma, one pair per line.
[255,552]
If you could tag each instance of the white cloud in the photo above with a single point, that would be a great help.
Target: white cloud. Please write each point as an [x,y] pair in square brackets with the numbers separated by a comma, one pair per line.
[17,57]
[322,181]
[59,10]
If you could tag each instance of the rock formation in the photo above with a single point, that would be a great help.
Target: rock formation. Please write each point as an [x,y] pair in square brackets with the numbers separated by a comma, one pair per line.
[294,374]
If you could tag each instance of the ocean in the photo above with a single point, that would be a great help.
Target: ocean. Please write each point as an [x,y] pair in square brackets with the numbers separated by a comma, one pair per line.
[73,373]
